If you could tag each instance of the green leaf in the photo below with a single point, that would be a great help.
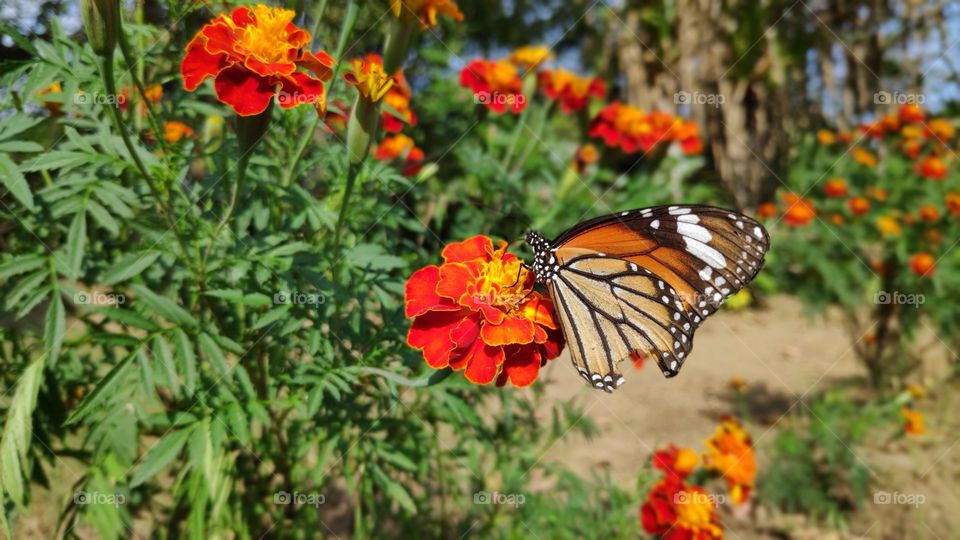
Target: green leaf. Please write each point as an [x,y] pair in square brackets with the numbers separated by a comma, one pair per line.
[53,328]
[20,146]
[18,432]
[103,217]
[130,266]
[166,449]
[162,352]
[103,390]
[395,491]
[14,181]
[21,265]
[76,243]
[188,362]
[271,316]
[165,307]
[213,353]
[373,257]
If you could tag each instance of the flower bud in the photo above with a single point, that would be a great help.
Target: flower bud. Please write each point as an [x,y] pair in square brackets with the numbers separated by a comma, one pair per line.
[101,20]
[363,123]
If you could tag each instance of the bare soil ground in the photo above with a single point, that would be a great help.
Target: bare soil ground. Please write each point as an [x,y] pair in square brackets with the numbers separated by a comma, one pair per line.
[784,359]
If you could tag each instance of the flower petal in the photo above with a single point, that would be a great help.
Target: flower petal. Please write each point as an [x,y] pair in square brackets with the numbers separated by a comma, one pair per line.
[511,331]
[245,92]
[455,279]
[472,248]
[420,293]
[300,88]
[483,363]
[522,367]
[321,64]
[198,64]
[430,333]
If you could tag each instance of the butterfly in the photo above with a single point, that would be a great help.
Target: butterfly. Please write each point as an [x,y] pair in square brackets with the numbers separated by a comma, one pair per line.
[641,282]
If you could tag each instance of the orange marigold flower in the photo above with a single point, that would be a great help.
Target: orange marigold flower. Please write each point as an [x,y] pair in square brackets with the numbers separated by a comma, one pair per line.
[586,155]
[835,187]
[858,205]
[923,264]
[913,421]
[876,193]
[912,148]
[174,131]
[425,11]
[737,384]
[397,112]
[632,129]
[928,212]
[675,510]
[837,219]
[688,134]
[153,93]
[933,237]
[940,129]
[912,113]
[844,137]
[799,211]
[826,137]
[675,462]
[253,54]
[477,312]
[402,147]
[52,106]
[952,200]
[495,84]
[889,226]
[864,157]
[932,167]
[766,210]
[530,57]
[369,79]
[730,453]
[572,91]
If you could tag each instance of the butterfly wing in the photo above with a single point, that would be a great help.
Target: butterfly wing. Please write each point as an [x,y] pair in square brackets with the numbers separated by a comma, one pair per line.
[643,280]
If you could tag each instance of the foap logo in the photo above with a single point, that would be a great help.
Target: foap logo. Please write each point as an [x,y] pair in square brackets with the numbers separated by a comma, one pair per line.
[99,298]
[84,498]
[699,498]
[899,299]
[298,498]
[291,99]
[299,298]
[897,98]
[699,98]
[498,98]
[496,497]
[97,98]
[903,499]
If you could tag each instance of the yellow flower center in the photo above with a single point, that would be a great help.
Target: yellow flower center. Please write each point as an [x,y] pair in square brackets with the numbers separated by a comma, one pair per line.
[696,512]
[502,283]
[266,39]
[371,81]
[503,76]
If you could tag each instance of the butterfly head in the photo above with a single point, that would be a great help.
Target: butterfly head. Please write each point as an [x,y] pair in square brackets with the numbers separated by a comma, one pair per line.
[544,261]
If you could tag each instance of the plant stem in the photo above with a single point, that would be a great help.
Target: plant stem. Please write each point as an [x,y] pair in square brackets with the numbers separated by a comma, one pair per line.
[232,205]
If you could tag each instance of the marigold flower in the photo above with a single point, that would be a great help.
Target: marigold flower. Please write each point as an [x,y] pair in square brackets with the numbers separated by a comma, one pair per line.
[730,453]
[877,194]
[864,157]
[912,148]
[932,167]
[174,131]
[858,205]
[844,137]
[835,187]
[688,134]
[737,384]
[572,91]
[495,84]
[912,113]
[940,129]
[923,264]
[799,212]
[253,54]
[826,137]
[402,147]
[586,155]
[933,237]
[153,93]
[478,312]
[952,200]
[530,57]
[837,219]
[675,510]
[675,462]
[369,78]
[397,112]
[928,212]
[766,210]
[632,129]
[916,391]
[425,11]
[52,106]
[889,226]
[913,421]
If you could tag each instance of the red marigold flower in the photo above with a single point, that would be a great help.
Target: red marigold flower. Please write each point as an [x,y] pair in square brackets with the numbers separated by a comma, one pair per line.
[675,462]
[864,157]
[799,211]
[402,147]
[675,510]
[253,55]
[923,264]
[826,137]
[952,200]
[912,148]
[928,212]
[174,131]
[940,129]
[631,129]
[688,133]
[730,453]
[932,167]
[835,187]
[858,205]
[586,155]
[397,112]
[153,93]
[478,312]
[911,113]
[572,91]
[766,210]
[913,421]
[495,84]
[425,11]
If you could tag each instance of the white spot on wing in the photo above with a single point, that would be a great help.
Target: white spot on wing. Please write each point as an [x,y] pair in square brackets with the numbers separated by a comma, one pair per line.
[705,253]
[655,224]
[694,231]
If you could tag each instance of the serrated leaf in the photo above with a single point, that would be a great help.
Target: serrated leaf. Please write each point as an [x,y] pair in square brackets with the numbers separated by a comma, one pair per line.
[18,432]
[130,266]
[188,362]
[20,265]
[76,243]
[102,217]
[103,390]
[54,327]
[213,353]
[166,449]
[163,306]
[20,146]
[15,182]
[271,316]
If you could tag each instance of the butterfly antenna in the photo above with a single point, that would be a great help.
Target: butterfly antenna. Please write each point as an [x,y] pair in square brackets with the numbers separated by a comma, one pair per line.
[519,270]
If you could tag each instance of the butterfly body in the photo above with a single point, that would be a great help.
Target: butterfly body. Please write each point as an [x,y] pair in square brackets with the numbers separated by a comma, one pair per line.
[642,281]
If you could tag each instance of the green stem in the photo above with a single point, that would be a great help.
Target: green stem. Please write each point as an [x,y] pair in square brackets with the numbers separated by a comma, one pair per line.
[352,173]
[232,205]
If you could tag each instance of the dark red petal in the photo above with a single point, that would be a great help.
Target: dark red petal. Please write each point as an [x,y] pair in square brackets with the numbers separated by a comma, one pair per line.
[483,363]
[420,293]
[430,333]
[245,92]
[523,367]
[198,64]
[300,88]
